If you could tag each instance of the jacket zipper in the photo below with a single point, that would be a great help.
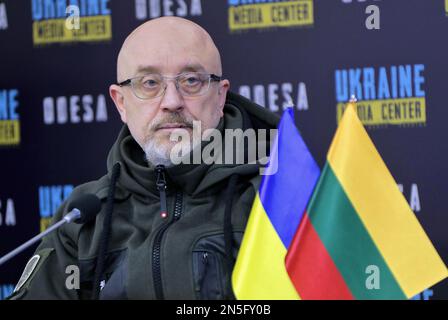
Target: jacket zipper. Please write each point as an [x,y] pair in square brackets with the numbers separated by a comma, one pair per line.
[161,186]
[156,267]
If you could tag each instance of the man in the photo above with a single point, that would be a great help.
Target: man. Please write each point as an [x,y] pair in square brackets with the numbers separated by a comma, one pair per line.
[165,230]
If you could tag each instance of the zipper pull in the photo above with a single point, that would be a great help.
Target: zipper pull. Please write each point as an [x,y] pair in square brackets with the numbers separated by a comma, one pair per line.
[205,258]
[161,186]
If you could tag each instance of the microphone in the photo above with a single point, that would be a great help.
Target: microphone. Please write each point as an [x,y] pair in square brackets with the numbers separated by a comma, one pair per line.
[86,207]
[81,210]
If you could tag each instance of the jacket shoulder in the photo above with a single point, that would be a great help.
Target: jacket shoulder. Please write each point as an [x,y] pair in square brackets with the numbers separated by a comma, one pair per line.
[100,188]
[262,117]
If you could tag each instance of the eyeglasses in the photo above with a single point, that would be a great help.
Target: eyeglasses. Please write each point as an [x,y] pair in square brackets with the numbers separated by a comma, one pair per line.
[153,85]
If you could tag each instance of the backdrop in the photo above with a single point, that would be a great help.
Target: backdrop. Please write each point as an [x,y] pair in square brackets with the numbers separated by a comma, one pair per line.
[57,121]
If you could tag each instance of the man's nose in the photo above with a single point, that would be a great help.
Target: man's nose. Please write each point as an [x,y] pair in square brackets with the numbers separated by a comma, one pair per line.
[172,100]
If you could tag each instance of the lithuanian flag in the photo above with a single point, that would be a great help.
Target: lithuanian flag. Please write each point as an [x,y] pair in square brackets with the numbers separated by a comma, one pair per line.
[284,192]
[359,238]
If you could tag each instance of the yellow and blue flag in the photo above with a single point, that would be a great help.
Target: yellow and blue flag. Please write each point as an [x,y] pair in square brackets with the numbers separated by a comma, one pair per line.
[279,204]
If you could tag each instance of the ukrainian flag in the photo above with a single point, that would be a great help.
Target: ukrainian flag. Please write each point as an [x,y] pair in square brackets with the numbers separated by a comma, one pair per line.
[260,271]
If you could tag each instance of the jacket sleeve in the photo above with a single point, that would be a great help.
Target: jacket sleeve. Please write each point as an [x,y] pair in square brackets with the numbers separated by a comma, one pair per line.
[52,271]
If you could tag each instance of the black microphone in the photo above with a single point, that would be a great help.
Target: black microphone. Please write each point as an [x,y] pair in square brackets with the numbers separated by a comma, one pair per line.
[89,205]
[81,210]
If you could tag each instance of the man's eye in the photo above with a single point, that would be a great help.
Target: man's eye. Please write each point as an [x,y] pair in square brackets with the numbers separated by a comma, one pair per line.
[150,83]
[192,80]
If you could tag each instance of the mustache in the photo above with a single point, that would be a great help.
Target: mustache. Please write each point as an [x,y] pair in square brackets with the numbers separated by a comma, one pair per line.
[172,118]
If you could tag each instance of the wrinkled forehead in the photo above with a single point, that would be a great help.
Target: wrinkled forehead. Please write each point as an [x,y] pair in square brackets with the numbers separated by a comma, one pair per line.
[167,52]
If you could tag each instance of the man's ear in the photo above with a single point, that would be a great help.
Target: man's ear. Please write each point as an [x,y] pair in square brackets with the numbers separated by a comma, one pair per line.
[118,98]
[224,86]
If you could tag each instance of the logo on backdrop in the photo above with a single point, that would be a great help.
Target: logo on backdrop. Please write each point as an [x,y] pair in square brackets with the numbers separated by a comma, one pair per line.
[74,109]
[50,199]
[150,9]
[392,95]
[412,195]
[3,17]
[245,14]
[7,213]
[9,118]
[53,21]
[6,290]
[425,295]
[277,96]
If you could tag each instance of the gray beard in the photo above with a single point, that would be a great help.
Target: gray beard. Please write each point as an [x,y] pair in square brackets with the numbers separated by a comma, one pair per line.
[159,154]
[156,154]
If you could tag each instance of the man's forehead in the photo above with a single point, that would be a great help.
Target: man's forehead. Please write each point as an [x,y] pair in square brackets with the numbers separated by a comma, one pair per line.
[168,63]
[188,67]
[168,49]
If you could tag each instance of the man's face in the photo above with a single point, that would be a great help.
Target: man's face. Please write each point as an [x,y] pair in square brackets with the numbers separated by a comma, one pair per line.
[151,121]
